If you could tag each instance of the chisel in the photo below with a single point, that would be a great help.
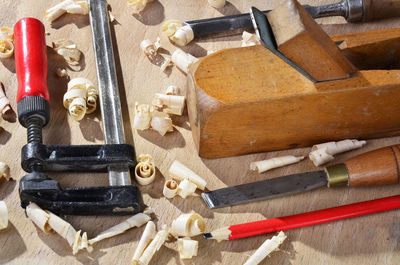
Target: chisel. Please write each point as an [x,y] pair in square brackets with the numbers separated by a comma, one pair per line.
[378,167]
[351,10]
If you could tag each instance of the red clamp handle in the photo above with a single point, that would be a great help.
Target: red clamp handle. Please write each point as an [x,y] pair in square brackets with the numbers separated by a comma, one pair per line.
[31,58]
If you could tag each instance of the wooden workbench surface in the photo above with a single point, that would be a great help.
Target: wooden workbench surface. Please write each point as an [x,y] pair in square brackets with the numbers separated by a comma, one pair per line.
[366,240]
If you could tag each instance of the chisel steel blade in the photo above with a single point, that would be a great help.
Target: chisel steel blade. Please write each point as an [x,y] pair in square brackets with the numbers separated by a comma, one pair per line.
[265,189]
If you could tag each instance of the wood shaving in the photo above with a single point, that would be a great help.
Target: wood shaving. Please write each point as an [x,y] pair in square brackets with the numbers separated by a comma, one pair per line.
[183,60]
[68,50]
[5,171]
[187,248]
[266,248]
[143,113]
[154,246]
[135,221]
[138,5]
[182,36]
[150,48]
[65,230]
[190,224]
[80,7]
[217,3]
[172,90]
[170,27]
[39,217]
[323,153]
[80,98]
[3,215]
[6,49]
[48,222]
[249,39]
[148,235]
[177,32]
[170,188]
[161,122]
[91,97]
[186,188]
[145,171]
[171,104]
[275,162]
[180,172]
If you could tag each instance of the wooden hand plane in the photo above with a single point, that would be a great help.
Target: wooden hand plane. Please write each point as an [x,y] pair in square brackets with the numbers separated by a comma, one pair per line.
[254,99]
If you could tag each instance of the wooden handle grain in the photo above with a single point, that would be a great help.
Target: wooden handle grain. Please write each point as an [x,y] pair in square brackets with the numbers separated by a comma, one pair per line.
[377,167]
[378,9]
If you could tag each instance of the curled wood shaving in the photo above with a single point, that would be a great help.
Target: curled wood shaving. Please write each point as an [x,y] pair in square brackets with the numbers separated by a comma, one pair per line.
[154,246]
[6,42]
[91,97]
[266,248]
[39,217]
[187,248]
[80,7]
[138,5]
[149,48]
[68,50]
[143,113]
[171,104]
[6,49]
[177,32]
[161,122]
[77,108]
[172,90]
[145,171]
[323,153]
[275,162]
[180,172]
[170,27]
[4,171]
[183,60]
[186,188]
[170,188]
[190,224]
[48,222]
[80,98]
[148,235]
[182,36]
[135,221]
[3,215]
[249,39]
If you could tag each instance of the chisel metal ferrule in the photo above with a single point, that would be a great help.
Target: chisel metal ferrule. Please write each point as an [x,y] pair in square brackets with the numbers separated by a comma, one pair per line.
[337,175]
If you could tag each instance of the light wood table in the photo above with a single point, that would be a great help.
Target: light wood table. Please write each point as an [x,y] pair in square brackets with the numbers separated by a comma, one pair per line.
[366,240]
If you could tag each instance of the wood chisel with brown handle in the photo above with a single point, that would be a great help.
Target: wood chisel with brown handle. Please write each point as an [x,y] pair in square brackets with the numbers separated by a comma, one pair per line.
[378,167]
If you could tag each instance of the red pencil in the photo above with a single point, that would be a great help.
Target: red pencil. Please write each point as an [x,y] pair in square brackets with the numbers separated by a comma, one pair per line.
[304,219]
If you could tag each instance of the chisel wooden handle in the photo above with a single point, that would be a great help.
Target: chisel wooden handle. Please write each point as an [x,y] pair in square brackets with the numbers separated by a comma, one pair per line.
[377,167]
[378,9]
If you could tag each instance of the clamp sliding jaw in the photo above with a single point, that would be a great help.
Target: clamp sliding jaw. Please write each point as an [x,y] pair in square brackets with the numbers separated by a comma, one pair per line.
[115,157]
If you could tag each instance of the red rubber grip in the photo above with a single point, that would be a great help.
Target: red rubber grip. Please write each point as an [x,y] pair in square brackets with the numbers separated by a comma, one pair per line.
[31,58]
